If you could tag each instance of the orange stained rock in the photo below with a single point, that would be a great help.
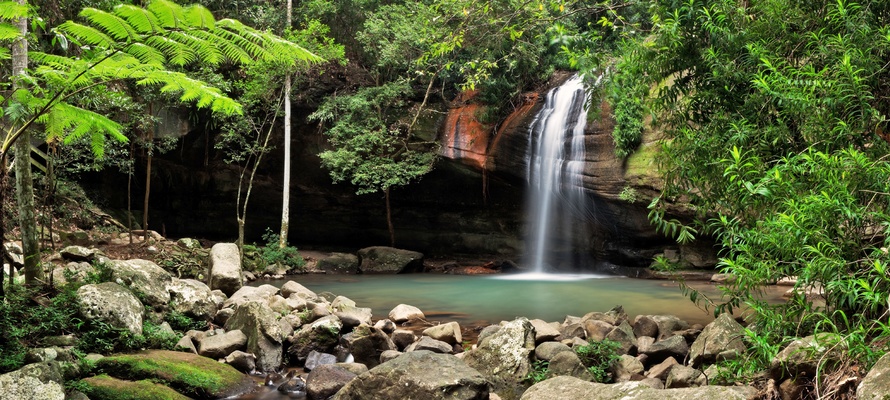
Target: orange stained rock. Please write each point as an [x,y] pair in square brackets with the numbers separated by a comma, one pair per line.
[465,138]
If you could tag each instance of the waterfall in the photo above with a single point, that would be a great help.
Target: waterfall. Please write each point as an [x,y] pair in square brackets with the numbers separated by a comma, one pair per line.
[555,166]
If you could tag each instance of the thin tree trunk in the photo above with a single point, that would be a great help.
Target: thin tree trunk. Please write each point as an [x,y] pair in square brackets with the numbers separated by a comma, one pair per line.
[130,193]
[285,192]
[4,255]
[23,181]
[392,231]
[147,184]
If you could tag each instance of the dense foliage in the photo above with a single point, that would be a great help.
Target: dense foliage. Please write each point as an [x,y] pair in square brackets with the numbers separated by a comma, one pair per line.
[774,120]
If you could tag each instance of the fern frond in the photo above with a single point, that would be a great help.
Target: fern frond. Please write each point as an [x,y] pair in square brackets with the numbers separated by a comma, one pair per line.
[71,123]
[111,24]
[141,19]
[177,53]
[246,41]
[4,53]
[205,50]
[82,34]
[52,60]
[168,13]
[11,10]
[199,17]
[191,90]
[9,32]
[146,54]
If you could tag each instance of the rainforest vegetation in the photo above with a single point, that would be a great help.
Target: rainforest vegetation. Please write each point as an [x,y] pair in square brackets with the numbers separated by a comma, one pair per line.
[771,116]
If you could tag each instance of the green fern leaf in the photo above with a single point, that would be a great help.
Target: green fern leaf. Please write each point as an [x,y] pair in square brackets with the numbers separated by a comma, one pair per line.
[146,54]
[86,35]
[168,13]
[204,50]
[199,17]
[11,10]
[177,53]
[9,32]
[141,19]
[111,24]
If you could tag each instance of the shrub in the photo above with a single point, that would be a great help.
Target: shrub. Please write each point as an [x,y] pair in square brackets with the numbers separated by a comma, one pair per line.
[598,358]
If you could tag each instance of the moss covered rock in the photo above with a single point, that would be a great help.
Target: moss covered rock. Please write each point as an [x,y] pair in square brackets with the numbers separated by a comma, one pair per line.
[104,387]
[190,374]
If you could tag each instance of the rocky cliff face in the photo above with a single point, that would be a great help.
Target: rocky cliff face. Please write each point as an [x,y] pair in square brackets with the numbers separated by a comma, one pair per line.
[472,203]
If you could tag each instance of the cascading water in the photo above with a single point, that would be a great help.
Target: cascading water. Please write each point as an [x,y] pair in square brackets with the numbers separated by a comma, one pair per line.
[555,166]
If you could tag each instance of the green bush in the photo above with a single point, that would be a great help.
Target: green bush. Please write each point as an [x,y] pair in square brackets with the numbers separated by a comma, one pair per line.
[273,253]
[598,357]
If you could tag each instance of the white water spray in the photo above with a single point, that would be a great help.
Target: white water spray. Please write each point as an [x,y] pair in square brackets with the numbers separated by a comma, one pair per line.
[555,169]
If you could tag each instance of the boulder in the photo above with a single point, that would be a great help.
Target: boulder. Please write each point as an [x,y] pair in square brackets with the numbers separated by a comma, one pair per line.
[644,325]
[660,371]
[78,253]
[388,260]
[291,288]
[189,243]
[321,335]
[547,350]
[192,298]
[247,294]
[402,338]
[667,324]
[567,387]
[16,253]
[567,363]
[674,346]
[804,355]
[144,278]
[876,384]
[418,375]
[40,381]
[366,343]
[104,387]
[624,335]
[221,345]
[225,268]
[326,380]
[385,325]
[626,368]
[681,376]
[186,344]
[75,271]
[244,362]
[316,359]
[353,316]
[544,332]
[338,263]
[448,333]
[596,330]
[112,304]
[720,340]
[190,374]
[264,337]
[403,312]
[430,344]
[504,357]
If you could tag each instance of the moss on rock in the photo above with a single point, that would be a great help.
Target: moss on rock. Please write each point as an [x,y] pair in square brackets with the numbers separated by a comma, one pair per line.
[104,387]
[190,374]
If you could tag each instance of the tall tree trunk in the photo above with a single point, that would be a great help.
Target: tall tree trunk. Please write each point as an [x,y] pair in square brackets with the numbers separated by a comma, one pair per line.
[285,197]
[392,231]
[24,183]
[4,255]
[149,153]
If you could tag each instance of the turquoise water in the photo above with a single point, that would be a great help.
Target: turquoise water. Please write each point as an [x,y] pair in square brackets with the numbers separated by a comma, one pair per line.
[482,300]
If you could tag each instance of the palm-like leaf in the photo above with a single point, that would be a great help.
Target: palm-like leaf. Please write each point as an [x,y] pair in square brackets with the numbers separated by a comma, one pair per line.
[113,25]
[8,32]
[141,19]
[199,17]
[11,10]
[169,13]
[86,35]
